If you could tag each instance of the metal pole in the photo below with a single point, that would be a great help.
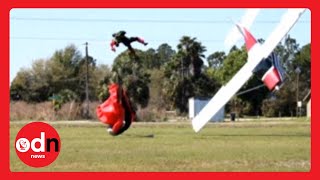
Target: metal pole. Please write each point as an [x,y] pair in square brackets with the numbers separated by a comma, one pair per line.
[297,95]
[87,82]
[299,114]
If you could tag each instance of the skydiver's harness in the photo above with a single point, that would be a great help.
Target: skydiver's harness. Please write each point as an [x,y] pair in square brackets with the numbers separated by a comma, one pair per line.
[121,38]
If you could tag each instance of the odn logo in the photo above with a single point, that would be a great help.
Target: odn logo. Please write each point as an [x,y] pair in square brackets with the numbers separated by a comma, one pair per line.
[37,144]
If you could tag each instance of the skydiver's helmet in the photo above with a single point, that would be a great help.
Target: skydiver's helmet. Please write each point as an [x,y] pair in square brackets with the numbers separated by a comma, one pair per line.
[122,33]
[114,34]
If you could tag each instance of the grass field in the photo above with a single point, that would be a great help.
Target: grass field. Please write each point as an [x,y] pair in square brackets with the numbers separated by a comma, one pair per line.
[250,146]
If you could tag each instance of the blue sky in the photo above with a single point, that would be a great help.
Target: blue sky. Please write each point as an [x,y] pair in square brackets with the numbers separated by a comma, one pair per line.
[38,33]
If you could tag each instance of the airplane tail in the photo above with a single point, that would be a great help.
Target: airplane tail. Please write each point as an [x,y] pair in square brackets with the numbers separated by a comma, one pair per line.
[246,20]
[248,37]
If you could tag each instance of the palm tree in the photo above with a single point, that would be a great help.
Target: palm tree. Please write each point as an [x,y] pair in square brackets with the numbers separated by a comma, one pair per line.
[181,86]
[192,52]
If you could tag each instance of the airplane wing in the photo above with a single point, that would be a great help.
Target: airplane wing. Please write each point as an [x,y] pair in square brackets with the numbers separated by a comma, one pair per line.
[256,53]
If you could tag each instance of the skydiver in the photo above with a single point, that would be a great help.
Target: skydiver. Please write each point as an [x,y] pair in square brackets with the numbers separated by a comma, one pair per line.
[120,37]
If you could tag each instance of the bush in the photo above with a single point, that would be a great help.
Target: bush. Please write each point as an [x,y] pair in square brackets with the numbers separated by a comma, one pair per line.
[20,110]
[271,108]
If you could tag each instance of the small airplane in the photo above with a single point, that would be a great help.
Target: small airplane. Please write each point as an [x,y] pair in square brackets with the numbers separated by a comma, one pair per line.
[261,61]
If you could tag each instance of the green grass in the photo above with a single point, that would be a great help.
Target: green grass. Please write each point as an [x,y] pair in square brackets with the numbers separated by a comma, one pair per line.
[241,146]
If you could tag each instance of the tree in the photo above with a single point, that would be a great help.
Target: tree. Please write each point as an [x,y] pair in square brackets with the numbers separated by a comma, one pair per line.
[64,71]
[128,72]
[80,78]
[102,75]
[192,52]
[31,84]
[231,64]
[215,60]
[288,92]
[150,59]
[180,84]
[292,57]
[154,59]
[303,61]
[287,51]
[20,86]
[164,54]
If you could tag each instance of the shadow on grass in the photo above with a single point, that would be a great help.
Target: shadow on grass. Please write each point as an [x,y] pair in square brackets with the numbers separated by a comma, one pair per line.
[252,135]
[139,135]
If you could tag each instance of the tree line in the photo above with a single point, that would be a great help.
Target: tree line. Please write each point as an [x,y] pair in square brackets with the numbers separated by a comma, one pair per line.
[170,76]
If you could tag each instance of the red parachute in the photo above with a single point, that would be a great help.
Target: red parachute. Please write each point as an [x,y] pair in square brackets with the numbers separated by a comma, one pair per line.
[116,111]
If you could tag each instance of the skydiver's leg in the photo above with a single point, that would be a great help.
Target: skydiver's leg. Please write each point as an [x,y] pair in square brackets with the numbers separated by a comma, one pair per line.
[128,106]
[140,40]
[132,52]
[116,129]
[130,114]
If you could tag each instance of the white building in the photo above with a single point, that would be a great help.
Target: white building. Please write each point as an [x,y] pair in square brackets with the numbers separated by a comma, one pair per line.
[308,105]
[309,108]
[196,104]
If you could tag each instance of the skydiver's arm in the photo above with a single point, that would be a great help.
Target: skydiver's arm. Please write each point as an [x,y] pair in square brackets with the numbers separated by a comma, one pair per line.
[113,44]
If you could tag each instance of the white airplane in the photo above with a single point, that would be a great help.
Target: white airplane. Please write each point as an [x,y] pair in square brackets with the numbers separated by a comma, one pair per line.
[260,59]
